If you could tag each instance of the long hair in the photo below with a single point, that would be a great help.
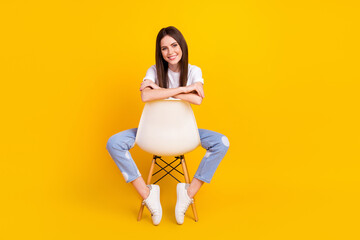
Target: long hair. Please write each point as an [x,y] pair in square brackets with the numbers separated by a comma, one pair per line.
[162,65]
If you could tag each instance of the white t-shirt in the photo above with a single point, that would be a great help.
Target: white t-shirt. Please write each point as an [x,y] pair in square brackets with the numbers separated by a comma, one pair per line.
[194,75]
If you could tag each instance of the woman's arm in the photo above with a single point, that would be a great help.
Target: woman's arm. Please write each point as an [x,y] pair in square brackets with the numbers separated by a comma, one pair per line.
[150,92]
[190,97]
[193,97]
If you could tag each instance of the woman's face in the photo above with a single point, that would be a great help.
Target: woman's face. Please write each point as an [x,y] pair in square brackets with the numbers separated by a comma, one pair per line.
[170,50]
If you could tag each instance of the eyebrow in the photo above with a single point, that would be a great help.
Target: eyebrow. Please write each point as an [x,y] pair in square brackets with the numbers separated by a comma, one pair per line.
[170,44]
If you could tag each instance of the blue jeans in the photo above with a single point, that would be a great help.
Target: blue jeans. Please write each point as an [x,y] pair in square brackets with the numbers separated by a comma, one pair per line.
[215,143]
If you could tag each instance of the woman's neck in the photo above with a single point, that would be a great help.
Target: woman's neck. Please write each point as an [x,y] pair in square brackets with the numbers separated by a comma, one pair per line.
[175,68]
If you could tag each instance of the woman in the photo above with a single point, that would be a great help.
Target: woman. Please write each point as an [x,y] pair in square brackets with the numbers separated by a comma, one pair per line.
[172,76]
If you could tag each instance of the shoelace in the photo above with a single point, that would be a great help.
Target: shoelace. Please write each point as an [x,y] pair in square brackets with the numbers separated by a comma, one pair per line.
[152,211]
[185,207]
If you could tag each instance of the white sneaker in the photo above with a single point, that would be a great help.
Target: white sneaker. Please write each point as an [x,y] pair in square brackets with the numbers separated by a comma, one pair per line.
[152,202]
[183,202]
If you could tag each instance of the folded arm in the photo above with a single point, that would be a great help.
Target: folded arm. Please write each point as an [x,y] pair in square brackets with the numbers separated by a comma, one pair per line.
[193,93]
[189,97]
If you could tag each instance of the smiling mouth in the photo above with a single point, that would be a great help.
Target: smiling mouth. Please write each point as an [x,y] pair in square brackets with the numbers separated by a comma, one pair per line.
[172,58]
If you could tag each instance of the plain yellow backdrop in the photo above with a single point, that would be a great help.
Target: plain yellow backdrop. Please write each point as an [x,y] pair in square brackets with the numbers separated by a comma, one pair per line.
[281,81]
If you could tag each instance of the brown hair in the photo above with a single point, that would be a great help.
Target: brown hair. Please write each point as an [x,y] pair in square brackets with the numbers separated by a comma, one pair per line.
[162,65]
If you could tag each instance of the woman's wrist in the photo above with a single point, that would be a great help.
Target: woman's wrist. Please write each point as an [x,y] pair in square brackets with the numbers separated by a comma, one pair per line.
[183,89]
[154,86]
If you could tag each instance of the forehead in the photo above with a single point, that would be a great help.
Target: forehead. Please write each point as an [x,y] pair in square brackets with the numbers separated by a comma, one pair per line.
[167,40]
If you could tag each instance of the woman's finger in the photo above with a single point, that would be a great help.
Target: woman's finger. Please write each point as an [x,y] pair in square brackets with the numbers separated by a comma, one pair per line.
[199,90]
[143,86]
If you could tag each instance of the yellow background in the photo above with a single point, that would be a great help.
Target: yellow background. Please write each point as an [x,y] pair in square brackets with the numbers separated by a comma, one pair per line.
[281,81]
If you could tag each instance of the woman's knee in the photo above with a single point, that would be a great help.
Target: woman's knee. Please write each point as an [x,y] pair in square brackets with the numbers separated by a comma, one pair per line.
[116,142]
[223,143]
[214,141]
[120,141]
[110,143]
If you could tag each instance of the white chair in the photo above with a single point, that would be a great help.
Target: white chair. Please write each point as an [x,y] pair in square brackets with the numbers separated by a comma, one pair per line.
[168,128]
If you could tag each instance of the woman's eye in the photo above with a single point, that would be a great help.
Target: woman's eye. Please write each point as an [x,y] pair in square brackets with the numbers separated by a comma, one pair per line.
[174,45]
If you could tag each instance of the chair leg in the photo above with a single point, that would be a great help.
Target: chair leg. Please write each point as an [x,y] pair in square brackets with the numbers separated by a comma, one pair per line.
[187,180]
[147,182]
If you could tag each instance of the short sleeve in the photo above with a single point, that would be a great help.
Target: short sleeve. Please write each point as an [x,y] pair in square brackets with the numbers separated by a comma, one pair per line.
[151,73]
[196,75]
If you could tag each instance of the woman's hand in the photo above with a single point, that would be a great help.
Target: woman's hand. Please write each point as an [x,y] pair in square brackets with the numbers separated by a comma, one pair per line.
[195,87]
[148,83]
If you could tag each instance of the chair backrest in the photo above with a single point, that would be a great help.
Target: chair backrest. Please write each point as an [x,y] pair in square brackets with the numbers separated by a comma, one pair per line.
[167,128]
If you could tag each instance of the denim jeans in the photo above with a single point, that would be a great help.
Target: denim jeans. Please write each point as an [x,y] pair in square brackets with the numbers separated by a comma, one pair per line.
[216,146]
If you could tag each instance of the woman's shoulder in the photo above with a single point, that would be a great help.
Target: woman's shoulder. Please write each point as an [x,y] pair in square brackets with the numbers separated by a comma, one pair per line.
[152,67]
[151,73]
[195,74]
[193,69]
